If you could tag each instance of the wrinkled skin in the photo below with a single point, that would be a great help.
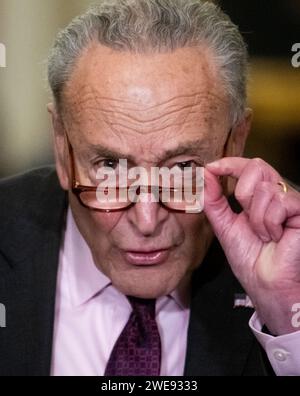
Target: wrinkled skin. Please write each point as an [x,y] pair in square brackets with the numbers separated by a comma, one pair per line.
[163,110]
[266,259]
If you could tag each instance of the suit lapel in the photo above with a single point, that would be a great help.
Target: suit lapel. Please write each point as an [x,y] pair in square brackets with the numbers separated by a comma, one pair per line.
[219,340]
[28,284]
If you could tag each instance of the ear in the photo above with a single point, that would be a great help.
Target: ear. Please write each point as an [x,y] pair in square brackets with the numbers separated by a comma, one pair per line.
[60,147]
[237,142]
[236,146]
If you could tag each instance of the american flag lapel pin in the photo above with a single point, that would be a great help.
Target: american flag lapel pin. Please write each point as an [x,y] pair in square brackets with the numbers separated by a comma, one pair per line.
[242,301]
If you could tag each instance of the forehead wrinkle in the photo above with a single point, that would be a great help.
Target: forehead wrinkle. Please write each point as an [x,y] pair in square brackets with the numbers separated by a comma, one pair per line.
[140,120]
[108,107]
[179,122]
[168,104]
[92,94]
[135,106]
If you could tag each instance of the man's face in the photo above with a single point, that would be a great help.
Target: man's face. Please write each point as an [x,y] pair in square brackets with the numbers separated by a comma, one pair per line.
[154,110]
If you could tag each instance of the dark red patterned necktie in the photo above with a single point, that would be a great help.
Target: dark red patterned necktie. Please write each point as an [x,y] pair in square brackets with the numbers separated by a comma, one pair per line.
[137,352]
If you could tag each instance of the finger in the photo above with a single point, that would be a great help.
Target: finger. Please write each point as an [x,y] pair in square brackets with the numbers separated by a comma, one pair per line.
[291,203]
[255,172]
[275,217]
[283,212]
[263,195]
[249,174]
[234,166]
[217,208]
[228,166]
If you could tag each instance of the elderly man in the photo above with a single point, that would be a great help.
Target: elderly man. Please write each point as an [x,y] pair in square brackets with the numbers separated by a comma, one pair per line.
[96,286]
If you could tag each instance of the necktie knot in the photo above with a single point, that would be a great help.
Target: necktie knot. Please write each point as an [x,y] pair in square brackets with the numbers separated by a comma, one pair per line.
[144,308]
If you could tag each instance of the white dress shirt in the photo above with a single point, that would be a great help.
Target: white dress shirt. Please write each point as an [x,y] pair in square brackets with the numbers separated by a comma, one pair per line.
[90,315]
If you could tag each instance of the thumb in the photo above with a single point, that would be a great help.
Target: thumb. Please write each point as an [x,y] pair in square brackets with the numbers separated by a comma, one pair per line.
[217,208]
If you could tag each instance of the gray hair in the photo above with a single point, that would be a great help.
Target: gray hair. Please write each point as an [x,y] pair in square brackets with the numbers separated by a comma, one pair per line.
[158,26]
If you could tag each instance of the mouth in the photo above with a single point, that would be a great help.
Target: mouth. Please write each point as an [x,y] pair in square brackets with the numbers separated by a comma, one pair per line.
[146,258]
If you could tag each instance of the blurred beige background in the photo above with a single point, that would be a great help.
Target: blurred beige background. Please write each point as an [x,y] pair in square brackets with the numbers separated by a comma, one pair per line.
[28,28]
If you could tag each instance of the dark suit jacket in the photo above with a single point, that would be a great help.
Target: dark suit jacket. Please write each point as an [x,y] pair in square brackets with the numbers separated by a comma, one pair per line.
[32,219]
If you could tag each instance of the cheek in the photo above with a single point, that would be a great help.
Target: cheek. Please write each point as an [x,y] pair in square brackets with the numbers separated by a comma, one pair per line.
[192,224]
[105,222]
[94,225]
[198,235]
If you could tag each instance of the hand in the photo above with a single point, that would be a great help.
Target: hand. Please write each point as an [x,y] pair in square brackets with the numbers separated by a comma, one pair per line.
[262,243]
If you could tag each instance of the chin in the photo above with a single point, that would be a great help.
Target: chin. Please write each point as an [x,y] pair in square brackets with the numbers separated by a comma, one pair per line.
[148,283]
[148,292]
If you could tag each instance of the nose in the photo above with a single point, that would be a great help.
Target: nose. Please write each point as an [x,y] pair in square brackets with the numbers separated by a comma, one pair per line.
[147,217]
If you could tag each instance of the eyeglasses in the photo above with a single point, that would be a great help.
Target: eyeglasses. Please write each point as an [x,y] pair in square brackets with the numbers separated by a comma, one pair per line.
[101,199]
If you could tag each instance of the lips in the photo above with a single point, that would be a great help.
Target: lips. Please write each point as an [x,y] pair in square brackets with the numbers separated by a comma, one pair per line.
[146,258]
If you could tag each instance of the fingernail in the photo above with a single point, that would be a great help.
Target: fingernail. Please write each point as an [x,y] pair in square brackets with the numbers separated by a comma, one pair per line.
[213,165]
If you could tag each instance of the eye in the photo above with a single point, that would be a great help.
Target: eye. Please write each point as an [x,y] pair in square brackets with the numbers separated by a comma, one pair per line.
[110,163]
[107,163]
[185,164]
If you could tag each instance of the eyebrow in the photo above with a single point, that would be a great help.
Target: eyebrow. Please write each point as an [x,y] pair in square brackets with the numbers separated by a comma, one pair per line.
[193,147]
[105,152]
